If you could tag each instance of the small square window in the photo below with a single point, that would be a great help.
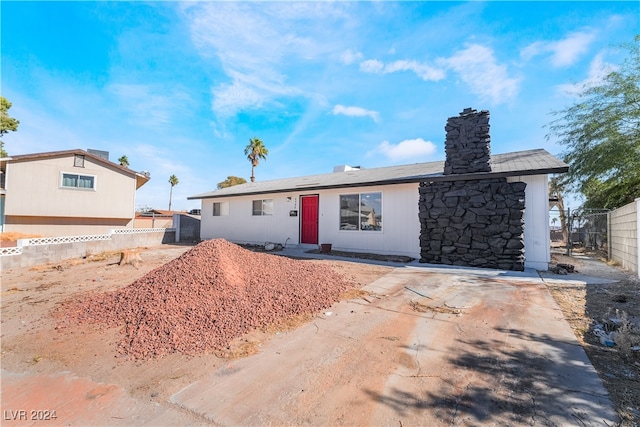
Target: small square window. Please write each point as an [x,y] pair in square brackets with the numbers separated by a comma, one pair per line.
[220,208]
[263,207]
[78,161]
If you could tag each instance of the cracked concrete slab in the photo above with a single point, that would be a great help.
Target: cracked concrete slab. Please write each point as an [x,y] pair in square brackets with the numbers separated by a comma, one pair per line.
[432,347]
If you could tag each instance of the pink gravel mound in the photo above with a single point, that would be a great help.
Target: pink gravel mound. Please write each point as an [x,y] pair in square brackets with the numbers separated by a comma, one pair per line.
[210,295]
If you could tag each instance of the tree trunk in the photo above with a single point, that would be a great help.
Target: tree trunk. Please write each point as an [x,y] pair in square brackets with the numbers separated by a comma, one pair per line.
[563,218]
[170,194]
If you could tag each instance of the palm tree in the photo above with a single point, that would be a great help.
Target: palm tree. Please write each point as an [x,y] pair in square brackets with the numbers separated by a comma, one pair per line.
[124,161]
[173,180]
[254,152]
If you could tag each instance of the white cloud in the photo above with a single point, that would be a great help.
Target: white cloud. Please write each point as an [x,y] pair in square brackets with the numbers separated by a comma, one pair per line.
[228,99]
[563,52]
[479,69]
[356,112]
[534,49]
[147,105]
[372,66]
[253,53]
[424,71]
[349,57]
[598,69]
[476,65]
[407,149]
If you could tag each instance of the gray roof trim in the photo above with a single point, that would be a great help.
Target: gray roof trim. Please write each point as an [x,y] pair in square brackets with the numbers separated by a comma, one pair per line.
[531,162]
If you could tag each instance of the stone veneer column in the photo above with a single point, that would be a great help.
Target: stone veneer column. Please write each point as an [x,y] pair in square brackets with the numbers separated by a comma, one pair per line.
[468,144]
[476,223]
[472,222]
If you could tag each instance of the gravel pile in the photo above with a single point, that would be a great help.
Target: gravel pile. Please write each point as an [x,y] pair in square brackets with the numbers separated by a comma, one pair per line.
[210,295]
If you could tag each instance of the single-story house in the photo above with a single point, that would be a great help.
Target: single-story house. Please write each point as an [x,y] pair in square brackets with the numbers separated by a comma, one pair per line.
[63,193]
[386,210]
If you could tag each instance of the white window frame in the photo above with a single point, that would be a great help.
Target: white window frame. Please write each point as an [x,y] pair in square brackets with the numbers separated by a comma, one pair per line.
[263,211]
[78,175]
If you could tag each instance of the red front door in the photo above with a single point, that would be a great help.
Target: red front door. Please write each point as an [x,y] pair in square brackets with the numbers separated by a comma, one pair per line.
[309,226]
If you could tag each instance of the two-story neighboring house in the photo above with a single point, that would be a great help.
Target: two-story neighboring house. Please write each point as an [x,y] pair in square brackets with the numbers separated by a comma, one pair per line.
[63,193]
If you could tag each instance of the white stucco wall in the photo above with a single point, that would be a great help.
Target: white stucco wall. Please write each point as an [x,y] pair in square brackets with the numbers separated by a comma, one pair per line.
[536,221]
[400,234]
[238,225]
[401,225]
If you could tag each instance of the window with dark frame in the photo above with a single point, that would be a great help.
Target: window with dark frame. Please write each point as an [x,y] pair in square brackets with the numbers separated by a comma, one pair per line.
[78,161]
[362,211]
[263,207]
[216,209]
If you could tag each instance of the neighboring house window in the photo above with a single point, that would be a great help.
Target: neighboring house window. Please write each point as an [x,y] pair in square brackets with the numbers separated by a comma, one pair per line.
[263,207]
[78,161]
[361,211]
[220,208]
[84,182]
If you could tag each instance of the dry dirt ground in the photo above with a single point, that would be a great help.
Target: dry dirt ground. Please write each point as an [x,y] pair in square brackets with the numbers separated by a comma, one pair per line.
[607,304]
[32,344]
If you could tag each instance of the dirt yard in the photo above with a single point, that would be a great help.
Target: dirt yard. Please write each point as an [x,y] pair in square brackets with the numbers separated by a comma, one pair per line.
[34,342]
[609,305]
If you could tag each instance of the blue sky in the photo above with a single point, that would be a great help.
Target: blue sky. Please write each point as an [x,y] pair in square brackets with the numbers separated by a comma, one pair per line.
[180,88]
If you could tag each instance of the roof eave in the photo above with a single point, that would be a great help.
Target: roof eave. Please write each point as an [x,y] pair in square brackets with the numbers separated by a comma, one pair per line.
[141,180]
[394,181]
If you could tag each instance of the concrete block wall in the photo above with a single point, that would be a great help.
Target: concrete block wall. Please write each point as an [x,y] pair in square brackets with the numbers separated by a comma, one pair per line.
[187,227]
[39,254]
[624,238]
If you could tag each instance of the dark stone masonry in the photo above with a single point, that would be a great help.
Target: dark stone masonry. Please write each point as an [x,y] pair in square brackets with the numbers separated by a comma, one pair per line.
[468,144]
[477,222]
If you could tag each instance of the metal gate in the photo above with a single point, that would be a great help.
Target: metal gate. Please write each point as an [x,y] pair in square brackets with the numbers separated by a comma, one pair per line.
[584,228]
[587,228]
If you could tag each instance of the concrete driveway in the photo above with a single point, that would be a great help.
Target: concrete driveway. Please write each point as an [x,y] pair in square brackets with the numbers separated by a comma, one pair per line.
[430,346]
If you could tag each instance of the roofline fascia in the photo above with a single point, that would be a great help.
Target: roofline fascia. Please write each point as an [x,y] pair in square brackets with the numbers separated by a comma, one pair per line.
[409,180]
[79,151]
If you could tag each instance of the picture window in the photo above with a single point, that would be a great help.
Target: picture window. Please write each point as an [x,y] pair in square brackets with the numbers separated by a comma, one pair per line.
[361,212]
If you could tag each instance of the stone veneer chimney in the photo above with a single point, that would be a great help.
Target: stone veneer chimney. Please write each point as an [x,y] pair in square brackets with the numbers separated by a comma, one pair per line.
[467,144]
[475,222]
